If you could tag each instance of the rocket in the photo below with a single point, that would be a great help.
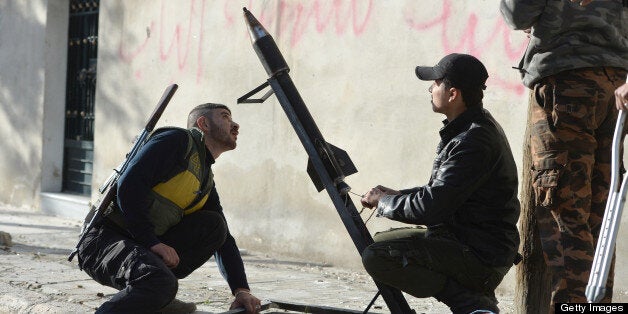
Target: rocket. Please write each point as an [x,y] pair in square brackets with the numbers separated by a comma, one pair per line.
[327,164]
[335,160]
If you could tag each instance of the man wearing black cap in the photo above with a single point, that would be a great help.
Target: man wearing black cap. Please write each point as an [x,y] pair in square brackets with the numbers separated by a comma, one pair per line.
[469,206]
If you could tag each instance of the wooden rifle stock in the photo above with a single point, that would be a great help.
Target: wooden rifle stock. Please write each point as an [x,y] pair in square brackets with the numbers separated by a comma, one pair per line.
[109,189]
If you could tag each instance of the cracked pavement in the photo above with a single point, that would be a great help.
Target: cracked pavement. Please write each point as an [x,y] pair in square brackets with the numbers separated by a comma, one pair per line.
[35,276]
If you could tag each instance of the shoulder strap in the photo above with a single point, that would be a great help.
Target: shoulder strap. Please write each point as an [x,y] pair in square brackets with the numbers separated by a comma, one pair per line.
[195,140]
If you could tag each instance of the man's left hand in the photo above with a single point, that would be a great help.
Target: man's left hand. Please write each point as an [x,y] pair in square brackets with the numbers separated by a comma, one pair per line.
[244,298]
[167,253]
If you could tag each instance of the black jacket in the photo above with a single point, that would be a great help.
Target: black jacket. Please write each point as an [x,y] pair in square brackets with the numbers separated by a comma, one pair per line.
[472,190]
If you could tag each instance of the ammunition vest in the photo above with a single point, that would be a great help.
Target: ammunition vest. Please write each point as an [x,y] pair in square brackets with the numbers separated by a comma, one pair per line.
[185,190]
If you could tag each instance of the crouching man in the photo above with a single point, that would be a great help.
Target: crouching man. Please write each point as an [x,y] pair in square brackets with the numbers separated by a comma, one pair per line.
[469,205]
[168,221]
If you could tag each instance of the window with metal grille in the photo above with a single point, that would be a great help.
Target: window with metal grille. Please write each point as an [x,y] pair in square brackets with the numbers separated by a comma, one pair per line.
[80,92]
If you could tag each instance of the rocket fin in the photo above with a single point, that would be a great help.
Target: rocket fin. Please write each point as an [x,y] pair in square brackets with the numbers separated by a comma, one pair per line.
[344,161]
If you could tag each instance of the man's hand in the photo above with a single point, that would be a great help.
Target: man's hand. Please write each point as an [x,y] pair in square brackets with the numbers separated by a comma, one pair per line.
[167,253]
[244,298]
[621,97]
[583,2]
[371,199]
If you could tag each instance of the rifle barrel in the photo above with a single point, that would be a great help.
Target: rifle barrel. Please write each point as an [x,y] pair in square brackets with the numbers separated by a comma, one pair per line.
[109,189]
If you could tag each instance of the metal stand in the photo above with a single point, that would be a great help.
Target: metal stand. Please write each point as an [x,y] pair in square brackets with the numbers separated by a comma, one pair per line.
[327,165]
[286,307]
[322,161]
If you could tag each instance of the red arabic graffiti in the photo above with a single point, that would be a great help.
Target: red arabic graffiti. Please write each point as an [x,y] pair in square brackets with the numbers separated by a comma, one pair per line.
[468,42]
[180,38]
[176,40]
[294,18]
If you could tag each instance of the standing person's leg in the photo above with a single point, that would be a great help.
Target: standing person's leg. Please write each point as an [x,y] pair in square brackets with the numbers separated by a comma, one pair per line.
[562,147]
[606,118]
[425,267]
[196,238]
[145,282]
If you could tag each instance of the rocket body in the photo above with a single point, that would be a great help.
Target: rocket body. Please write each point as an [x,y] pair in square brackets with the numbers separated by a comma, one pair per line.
[327,164]
[277,68]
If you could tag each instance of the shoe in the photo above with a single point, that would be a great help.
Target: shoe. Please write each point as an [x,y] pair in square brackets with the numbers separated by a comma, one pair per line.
[463,300]
[178,306]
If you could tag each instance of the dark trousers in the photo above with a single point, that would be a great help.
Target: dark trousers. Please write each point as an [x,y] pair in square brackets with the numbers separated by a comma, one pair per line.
[435,265]
[146,284]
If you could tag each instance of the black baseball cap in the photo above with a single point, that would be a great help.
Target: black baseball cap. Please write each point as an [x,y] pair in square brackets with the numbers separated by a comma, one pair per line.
[464,71]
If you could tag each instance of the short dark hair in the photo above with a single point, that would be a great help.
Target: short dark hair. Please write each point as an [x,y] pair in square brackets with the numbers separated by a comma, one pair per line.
[472,96]
[203,110]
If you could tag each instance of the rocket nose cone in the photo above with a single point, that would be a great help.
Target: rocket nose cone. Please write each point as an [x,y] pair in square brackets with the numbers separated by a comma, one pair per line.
[256,30]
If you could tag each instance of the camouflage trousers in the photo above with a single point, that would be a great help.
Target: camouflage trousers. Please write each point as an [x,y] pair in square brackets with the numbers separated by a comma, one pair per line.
[573,117]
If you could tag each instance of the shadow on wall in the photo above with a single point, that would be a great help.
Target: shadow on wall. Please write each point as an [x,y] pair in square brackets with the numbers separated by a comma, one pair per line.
[22,43]
[290,203]
[121,108]
[128,117]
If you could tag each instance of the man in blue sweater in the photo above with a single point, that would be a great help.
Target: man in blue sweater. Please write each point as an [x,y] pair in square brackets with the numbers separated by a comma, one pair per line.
[168,221]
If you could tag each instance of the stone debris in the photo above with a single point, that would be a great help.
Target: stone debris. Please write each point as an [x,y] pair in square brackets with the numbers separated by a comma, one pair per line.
[5,239]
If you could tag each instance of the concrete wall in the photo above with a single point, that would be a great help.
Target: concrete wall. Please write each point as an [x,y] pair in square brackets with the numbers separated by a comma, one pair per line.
[353,62]
[22,75]
[56,52]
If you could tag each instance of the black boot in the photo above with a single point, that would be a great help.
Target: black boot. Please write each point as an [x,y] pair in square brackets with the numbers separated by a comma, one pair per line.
[463,301]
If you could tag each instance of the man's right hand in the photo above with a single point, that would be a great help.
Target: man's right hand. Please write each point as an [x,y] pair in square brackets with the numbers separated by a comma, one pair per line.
[621,97]
[371,199]
[167,253]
